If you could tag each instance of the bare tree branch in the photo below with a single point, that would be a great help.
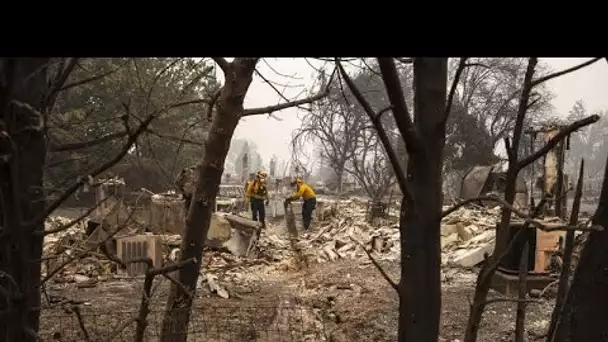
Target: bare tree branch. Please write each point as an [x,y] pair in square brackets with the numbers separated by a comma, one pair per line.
[381,132]
[130,141]
[62,77]
[144,308]
[561,135]
[270,109]
[92,78]
[64,196]
[87,144]
[564,72]
[448,106]
[173,138]
[382,111]
[481,65]
[390,76]
[74,221]
[380,269]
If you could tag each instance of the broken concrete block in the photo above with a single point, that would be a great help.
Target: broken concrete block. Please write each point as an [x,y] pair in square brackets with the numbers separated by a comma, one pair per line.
[474,256]
[463,233]
[448,229]
[377,243]
[448,240]
[331,252]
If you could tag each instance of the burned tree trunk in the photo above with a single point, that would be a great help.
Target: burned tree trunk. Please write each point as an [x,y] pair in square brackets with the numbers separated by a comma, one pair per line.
[209,173]
[420,287]
[23,87]
[583,317]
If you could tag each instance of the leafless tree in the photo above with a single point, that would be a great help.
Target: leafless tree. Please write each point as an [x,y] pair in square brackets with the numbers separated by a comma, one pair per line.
[371,167]
[483,111]
[488,90]
[334,128]
[420,296]
[348,143]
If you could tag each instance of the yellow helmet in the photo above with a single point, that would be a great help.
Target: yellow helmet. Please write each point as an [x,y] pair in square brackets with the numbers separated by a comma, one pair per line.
[262,174]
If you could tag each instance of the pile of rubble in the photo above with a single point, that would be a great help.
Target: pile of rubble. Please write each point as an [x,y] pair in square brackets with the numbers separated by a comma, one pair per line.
[347,233]
[72,256]
[64,250]
[467,234]
[341,231]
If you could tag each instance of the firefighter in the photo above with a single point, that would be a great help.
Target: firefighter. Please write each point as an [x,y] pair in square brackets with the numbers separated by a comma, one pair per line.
[257,194]
[249,181]
[310,200]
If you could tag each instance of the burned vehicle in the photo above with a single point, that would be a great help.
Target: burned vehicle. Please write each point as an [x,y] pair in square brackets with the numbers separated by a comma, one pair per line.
[230,198]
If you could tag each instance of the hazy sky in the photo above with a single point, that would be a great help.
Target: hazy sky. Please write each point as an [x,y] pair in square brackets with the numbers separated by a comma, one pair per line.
[273,136]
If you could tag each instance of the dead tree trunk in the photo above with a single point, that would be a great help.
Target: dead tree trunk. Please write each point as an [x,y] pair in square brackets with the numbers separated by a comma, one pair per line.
[209,173]
[420,216]
[420,295]
[23,85]
[584,313]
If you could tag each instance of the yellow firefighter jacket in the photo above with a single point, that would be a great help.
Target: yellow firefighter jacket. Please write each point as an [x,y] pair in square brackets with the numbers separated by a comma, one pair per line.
[304,191]
[257,189]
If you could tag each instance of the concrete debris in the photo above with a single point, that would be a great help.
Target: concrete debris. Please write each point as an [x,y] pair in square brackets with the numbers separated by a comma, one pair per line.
[215,288]
[65,252]
[341,230]
[344,234]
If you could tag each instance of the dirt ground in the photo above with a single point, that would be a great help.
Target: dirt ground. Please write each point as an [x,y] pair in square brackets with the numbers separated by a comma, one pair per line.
[341,301]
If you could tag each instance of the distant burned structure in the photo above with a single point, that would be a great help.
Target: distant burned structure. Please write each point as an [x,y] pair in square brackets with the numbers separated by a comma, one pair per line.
[553,183]
[485,180]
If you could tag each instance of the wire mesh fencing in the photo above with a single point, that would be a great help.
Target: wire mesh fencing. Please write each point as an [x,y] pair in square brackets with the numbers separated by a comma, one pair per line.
[211,323]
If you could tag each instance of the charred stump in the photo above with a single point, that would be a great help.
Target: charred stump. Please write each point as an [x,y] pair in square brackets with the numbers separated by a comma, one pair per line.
[23,90]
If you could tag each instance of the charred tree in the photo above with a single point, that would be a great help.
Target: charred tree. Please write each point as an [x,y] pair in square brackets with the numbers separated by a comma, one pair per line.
[583,317]
[424,137]
[209,172]
[420,296]
[23,96]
